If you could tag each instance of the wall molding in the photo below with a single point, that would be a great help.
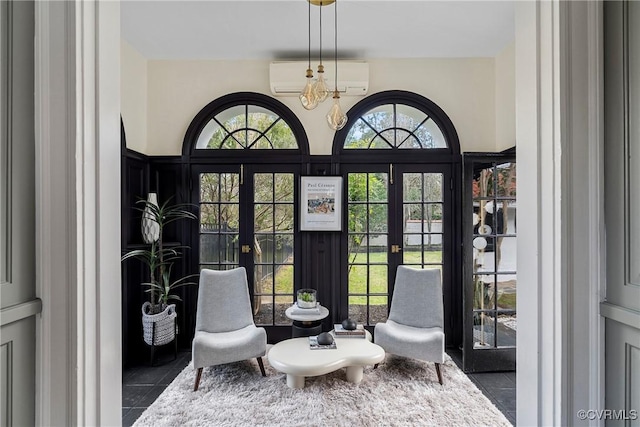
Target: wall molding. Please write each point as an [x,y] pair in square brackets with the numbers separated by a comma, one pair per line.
[20,311]
[6,381]
[620,314]
[5,141]
[596,233]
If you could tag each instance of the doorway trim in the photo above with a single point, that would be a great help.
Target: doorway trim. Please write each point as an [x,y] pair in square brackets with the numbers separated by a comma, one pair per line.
[559,107]
[77,128]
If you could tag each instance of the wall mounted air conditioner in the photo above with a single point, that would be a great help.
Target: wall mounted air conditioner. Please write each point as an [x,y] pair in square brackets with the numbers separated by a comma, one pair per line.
[287,78]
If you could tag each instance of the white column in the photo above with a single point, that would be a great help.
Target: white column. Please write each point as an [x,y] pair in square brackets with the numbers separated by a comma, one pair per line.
[540,233]
[560,210]
[78,212]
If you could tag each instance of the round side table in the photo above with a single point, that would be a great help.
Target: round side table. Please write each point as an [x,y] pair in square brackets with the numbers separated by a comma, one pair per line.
[305,325]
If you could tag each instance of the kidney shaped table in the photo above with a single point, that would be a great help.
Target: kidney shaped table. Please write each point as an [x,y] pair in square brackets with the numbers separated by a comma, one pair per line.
[294,358]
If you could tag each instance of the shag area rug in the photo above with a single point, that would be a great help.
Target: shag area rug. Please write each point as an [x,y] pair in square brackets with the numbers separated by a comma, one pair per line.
[401,392]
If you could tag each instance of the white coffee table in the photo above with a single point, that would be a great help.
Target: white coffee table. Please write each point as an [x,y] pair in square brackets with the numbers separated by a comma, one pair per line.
[294,358]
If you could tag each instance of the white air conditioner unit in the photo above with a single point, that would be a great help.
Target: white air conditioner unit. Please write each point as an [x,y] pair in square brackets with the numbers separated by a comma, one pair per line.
[288,78]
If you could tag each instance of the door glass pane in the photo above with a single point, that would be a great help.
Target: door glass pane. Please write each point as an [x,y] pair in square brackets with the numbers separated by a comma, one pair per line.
[367,256]
[263,217]
[358,279]
[433,187]
[284,218]
[283,191]
[273,251]
[484,333]
[219,211]
[412,183]
[506,329]
[506,174]
[484,292]
[378,218]
[378,309]
[422,219]
[358,309]
[378,279]
[263,188]
[506,285]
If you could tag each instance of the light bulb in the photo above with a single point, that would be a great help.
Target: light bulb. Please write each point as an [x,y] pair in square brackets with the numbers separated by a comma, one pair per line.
[308,97]
[320,86]
[336,117]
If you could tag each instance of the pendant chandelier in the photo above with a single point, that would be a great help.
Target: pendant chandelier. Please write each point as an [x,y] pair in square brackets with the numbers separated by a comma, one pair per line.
[336,117]
[308,97]
[320,87]
[315,92]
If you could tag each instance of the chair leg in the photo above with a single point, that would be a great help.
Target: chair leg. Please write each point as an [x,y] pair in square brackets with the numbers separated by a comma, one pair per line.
[261,367]
[439,372]
[198,375]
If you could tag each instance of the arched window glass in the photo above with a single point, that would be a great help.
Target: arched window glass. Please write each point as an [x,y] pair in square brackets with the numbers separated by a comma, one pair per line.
[247,127]
[395,126]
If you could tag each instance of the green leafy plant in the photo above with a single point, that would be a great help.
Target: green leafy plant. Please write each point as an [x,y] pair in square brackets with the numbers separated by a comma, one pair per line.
[306,296]
[159,258]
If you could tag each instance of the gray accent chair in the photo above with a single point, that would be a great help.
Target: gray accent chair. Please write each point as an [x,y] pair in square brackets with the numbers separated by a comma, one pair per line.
[414,328]
[225,331]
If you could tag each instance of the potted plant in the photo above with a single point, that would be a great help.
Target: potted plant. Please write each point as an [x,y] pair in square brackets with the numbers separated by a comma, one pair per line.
[306,298]
[158,315]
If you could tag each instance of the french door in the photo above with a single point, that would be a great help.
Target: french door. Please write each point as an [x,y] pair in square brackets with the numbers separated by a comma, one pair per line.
[490,280]
[396,215]
[248,217]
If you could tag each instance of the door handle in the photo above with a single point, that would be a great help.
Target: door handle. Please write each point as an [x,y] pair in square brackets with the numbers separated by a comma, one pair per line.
[246,249]
[395,249]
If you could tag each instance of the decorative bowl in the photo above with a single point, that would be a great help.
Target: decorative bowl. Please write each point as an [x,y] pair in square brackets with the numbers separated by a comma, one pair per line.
[325,338]
[306,298]
[349,324]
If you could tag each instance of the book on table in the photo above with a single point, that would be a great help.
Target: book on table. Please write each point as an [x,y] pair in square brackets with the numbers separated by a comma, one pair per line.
[340,332]
[295,309]
[313,344]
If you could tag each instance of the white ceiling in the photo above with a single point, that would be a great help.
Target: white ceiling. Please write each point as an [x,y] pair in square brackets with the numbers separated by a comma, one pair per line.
[278,29]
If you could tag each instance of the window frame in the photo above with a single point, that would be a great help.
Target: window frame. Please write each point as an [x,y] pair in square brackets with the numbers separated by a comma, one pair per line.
[247,161]
[192,154]
[446,160]
[450,154]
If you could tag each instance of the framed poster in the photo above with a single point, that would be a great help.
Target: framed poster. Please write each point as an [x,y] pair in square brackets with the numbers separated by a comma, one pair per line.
[321,203]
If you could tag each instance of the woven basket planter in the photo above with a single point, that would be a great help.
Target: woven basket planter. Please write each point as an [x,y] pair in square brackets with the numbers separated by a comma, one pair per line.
[164,330]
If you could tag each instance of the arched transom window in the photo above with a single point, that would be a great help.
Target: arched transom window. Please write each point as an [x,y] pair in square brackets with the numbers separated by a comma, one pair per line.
[395,126]
[247,127]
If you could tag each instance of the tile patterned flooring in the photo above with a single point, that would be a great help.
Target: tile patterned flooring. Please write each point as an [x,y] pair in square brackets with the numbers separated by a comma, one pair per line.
[141,385]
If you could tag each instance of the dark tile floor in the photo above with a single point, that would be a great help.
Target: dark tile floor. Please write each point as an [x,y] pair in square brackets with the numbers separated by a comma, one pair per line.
[499,387]
[141,385]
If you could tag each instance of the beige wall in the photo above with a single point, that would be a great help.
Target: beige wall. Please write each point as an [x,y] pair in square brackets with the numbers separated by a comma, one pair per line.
[133,95]
[464,88]
[506,98]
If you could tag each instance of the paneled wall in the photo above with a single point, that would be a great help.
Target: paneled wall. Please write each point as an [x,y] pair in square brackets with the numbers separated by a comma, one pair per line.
[622,208]
[18,303]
